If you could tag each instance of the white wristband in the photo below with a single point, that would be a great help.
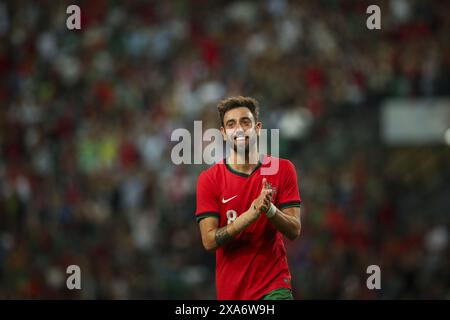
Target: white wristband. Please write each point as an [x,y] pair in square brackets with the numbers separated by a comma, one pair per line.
[272,211]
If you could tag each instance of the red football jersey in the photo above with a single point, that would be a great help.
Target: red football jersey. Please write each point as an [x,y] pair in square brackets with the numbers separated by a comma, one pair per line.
[254,262]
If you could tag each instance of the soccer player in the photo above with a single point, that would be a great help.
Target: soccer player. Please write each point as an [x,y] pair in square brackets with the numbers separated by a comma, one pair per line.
[243,215]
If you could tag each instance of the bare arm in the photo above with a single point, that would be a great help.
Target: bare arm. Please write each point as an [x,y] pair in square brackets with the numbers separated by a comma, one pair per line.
[213,236]
[287,221]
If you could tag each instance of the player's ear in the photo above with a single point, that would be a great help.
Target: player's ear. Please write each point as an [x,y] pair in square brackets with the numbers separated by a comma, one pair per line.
[224,134]
[258,127]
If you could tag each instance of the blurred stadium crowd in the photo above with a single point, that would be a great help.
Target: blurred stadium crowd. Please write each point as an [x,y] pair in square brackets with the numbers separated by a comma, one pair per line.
[86,118]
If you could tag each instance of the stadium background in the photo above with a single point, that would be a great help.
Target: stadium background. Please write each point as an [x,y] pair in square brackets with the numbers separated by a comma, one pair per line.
[85,123]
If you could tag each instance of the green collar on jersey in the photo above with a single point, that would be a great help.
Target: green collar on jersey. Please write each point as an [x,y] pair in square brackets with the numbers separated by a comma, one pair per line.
[242,174]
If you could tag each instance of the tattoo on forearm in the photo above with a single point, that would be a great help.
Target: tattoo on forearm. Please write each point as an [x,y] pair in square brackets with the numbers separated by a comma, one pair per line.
[222,236]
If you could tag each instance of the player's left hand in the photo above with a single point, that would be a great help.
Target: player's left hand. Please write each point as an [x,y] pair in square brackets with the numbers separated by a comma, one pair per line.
[268,197]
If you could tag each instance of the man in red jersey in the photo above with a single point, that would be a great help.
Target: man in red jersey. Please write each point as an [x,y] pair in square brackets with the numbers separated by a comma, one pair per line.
[243,214]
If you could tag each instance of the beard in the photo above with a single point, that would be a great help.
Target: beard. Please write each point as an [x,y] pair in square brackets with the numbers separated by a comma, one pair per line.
[250,143]
[238,150]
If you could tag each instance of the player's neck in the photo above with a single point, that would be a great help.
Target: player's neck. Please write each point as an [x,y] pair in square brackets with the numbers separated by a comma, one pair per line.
[245,164]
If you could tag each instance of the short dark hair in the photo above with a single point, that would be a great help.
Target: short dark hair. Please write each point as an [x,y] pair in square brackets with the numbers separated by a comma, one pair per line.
[236,102]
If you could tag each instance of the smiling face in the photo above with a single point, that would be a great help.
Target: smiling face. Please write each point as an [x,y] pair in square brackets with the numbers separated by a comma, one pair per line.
[241,128]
